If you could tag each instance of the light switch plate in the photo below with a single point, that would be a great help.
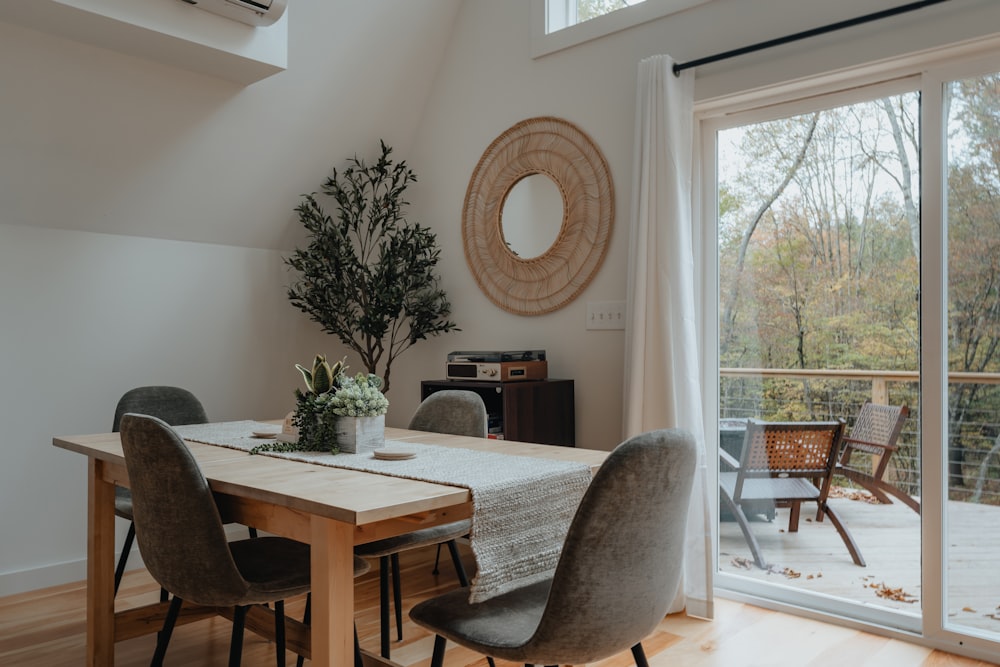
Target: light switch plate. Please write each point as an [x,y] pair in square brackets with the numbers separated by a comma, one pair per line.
[605,314]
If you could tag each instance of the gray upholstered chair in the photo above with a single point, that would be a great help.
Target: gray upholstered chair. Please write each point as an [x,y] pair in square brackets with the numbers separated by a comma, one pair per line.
[173,405]
[183,541]
[450,411]
[618,572]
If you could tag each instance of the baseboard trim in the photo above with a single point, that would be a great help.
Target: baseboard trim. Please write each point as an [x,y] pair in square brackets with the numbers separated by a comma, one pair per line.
[67,572]
[56,574]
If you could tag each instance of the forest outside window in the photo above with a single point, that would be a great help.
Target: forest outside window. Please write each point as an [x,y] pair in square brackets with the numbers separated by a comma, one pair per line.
[855,247]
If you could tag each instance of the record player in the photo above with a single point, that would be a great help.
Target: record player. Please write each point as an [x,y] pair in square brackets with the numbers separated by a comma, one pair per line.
[492,366]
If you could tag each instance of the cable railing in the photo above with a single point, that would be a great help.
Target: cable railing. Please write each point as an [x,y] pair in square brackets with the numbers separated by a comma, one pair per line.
[820,394]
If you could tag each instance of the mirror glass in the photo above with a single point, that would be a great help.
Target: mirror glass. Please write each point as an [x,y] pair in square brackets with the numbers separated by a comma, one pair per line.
[532,216]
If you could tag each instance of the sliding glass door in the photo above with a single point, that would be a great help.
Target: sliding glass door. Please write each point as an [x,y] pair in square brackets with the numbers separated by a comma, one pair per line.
[972,464]
[818,256]
[856,239]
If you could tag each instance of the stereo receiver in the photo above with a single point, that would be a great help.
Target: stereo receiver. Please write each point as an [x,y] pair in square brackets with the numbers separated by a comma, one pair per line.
[498,366]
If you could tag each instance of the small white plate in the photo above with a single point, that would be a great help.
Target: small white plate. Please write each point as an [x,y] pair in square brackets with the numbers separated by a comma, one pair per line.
[393,454]
[265,434]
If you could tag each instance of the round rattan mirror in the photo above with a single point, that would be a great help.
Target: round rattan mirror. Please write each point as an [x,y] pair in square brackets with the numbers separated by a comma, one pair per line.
[549,281]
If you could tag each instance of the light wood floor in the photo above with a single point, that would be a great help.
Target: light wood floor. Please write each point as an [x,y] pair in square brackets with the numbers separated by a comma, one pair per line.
[47,629]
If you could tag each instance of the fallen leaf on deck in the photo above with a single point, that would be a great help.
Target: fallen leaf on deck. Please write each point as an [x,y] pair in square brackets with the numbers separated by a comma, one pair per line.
[786,572]
[895,594]
[744,563]
[852,494]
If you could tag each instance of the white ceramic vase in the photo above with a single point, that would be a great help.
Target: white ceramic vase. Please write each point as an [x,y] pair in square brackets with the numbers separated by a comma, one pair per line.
[360,434]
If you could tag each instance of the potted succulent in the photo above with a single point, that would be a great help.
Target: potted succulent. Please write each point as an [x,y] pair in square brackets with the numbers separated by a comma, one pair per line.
[337,412]
[360,407]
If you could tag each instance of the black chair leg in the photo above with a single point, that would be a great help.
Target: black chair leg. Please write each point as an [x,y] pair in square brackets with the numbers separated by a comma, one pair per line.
[163,638]
[437,558]
[397,596]
[253,533]
[457,560]
[640,656]
[123,559]
[236,643]
[489,660]
[126,549]
[383,595]
[437,658]
[279,631]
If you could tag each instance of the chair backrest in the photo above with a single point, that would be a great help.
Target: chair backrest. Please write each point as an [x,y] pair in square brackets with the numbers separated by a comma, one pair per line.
[790,449]
[174,405]
[177,524]
[621,562]
[452,411]
[877,427]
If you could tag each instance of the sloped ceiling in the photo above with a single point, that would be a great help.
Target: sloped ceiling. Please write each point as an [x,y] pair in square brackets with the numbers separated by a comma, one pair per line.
[98,140]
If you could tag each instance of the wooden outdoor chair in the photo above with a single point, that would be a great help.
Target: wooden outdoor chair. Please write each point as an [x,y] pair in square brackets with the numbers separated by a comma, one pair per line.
[789,463]
[875,433]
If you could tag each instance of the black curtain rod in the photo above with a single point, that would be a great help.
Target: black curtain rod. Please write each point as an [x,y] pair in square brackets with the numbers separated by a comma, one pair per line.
[680,67]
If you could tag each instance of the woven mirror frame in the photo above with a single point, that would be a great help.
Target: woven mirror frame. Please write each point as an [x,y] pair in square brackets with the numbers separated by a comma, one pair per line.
[560,150]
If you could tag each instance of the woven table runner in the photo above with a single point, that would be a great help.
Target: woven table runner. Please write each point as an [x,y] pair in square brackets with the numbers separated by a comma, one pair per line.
[522,506]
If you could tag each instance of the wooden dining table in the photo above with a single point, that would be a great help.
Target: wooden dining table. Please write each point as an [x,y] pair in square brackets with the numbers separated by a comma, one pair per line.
[332,509]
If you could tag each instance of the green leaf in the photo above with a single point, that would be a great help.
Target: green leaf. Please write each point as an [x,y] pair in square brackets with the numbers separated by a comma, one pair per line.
[368,275]
[306,375]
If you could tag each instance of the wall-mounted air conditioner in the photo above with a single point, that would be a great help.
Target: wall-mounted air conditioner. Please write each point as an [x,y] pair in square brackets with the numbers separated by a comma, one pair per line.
[257,13]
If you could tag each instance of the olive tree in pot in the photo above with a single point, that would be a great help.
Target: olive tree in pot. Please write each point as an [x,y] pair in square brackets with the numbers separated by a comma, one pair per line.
[368,275]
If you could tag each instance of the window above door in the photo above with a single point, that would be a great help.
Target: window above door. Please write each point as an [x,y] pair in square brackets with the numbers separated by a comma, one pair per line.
[559,24]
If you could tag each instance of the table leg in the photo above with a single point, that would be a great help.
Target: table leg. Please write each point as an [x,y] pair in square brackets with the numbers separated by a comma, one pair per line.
[100,567]
[332,572]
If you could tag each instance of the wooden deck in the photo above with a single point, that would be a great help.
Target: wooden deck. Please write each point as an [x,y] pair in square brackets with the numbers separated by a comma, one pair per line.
[815,558]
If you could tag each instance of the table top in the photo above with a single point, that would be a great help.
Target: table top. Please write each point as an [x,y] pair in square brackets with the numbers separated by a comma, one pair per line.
[350,496]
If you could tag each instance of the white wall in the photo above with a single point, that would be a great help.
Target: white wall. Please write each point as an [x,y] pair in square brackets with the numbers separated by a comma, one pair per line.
[143,208]
[87,316]
[143,211]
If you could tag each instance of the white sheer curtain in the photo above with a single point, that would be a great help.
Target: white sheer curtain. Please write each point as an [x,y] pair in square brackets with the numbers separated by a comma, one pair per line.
[662,355]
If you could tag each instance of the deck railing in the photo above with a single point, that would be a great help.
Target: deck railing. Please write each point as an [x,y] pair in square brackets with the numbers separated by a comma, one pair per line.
[974,427]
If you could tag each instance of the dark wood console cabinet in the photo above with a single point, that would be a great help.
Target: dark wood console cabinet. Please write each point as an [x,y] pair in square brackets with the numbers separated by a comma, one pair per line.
[539,411]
